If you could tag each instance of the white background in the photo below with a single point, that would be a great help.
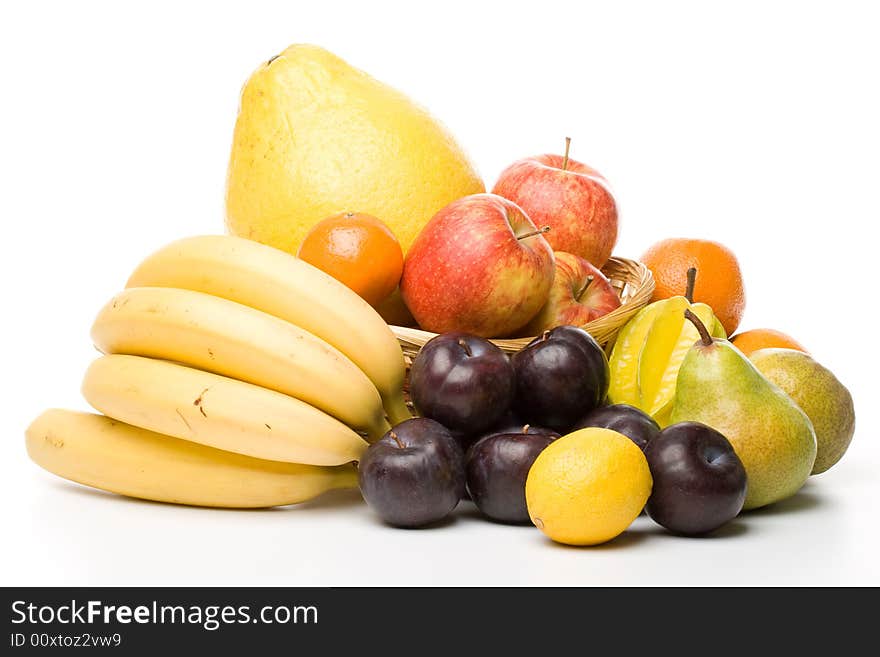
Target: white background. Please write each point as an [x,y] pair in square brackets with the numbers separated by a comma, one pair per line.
[755,124]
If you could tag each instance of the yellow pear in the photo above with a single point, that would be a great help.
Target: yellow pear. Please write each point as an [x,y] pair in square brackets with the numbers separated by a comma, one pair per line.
[315,137]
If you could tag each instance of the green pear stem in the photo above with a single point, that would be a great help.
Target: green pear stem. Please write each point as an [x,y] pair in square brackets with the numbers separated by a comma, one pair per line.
[540,231]
[565,157]
[701,328]
[397,440]
[584,288]
[464,345]
[692,280]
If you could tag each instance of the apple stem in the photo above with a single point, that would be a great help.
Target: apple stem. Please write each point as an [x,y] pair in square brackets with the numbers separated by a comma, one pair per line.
[464,345]
[525,428]
[397,440]
[540,231]
[692,280]
[584,288]
[701,328]
[565,157]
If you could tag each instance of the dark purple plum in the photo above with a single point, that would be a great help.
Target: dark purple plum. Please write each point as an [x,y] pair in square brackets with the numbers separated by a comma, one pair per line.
[414,475]
[560,376]
[699,481]
[632,422]
[462,381]
[510,423]
[497,466]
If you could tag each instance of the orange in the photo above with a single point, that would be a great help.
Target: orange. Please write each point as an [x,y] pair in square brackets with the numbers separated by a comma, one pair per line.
[764,338]
[719,279]
[358,250]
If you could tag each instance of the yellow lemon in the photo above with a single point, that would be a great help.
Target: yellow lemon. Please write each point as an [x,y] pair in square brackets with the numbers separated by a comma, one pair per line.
[588,487]
[315,137]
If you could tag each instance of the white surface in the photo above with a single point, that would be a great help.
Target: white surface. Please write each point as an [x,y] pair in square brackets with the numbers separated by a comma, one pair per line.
[755,125]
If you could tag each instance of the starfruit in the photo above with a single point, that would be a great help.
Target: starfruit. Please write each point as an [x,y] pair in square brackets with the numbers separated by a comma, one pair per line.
[649,351]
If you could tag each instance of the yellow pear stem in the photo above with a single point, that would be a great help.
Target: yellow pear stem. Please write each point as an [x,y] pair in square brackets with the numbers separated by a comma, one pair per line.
[565,157]
[701,328]
[540,231]
[692,280]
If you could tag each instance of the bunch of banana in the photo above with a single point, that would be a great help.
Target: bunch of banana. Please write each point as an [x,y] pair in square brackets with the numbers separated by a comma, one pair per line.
[233,375]
[98,451]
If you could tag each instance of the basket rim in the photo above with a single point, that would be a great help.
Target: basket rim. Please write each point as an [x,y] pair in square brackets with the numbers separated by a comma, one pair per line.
[636,274]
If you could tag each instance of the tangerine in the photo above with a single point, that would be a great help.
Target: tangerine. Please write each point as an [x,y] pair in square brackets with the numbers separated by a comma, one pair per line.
[764,338]
[719,282]
[358,250]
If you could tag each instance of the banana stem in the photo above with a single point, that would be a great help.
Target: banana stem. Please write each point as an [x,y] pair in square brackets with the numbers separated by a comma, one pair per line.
[701,328]
[380,429]
[396,409]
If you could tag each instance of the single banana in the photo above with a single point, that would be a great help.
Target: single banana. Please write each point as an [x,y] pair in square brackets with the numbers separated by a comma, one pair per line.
[234,340]
[273,281]
[217,411]
[98,451]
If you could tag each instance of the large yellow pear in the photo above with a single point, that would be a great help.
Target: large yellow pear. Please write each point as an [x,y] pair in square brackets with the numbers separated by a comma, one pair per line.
[315,137]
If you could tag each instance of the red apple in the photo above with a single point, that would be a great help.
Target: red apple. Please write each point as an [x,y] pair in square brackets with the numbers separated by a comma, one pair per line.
[580,294]
[570,197]
[479,266]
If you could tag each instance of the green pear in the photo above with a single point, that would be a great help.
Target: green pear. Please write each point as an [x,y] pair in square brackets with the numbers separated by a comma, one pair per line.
[718,386]
[819,394]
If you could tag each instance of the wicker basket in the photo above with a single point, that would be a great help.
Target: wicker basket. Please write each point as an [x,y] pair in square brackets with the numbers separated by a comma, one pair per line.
[632,280]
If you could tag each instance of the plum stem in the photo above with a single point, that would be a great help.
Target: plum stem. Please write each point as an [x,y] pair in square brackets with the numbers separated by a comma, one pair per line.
[539,231]
[701,328]
[397,440]
[692,280]
[525,428]
[584,288]
[464,345]
[545,335]
[565,157]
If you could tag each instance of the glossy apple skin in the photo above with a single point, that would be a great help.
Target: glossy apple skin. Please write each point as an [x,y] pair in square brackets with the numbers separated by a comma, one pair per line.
[632,422]
[417,484]
[560,376]
[580,294]
[462,381]
[467,271]
[497,467]
[576,203]
[699,481]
